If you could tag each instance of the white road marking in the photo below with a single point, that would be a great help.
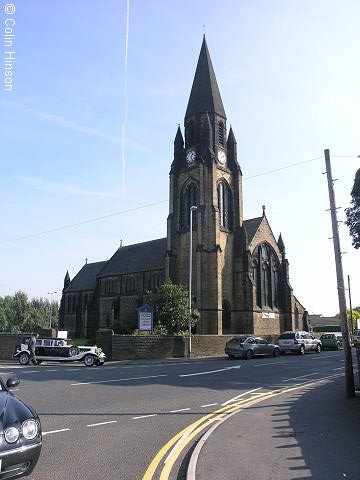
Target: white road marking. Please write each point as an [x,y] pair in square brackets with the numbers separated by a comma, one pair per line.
[208,405]
[302,376]
[180,410]
[239,396]
[56,431]
[270,363]
[52,370]
[101,423]
[211,371]
[340,368]
[30,371]
[145,416]
[117,380]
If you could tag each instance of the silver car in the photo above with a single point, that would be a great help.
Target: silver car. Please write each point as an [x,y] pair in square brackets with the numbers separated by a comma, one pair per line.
[298,342]
[248,347]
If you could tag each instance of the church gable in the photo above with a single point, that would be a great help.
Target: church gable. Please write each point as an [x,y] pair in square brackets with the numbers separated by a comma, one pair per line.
[258,231]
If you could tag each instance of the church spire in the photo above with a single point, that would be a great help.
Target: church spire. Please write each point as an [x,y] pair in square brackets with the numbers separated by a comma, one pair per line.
[205,95]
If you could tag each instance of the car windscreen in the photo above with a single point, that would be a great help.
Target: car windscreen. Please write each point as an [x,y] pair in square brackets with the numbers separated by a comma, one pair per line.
[238,340]
[286,336]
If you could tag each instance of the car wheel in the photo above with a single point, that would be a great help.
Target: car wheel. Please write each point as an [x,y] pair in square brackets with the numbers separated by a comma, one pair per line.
[231,357]
[318,348]
[276,352]
[89,360]
[249,355]
[302,350]
[73,350]
[24,358]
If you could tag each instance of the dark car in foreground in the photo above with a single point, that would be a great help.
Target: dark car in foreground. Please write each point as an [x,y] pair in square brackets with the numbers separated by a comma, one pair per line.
[59,350]
[331,341]
[20,434]
[249,346]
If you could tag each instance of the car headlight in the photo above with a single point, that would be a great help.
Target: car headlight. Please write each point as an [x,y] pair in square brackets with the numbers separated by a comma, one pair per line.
[11,434]
[30,429]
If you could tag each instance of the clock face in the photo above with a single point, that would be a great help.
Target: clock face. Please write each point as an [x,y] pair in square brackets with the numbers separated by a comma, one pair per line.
[190,156]
[221,157]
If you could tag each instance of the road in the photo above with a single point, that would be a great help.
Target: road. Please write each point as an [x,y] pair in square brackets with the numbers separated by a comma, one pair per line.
[112,421]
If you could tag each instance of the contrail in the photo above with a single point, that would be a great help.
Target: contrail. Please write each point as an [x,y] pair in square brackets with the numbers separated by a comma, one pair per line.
[125,99]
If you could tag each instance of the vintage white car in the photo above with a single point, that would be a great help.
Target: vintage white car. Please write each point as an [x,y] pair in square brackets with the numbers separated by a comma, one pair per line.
[59,350]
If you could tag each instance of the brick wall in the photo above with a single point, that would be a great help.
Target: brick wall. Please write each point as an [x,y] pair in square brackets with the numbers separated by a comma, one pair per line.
[130,347]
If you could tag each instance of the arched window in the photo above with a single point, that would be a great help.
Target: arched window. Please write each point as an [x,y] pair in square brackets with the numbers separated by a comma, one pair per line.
[266,286]
[130,285]
[224,205]
[189,197]
[74,303]
[296,318]
[221,134]
[275,283]
[226,315]
[266,276]
[154,281]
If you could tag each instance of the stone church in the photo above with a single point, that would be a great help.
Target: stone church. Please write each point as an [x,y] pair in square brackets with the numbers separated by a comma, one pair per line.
[240,273]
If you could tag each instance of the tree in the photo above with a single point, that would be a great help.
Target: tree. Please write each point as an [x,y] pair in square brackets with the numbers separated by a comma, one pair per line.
[353,212]
[19,314]
[172,308]
[355,317]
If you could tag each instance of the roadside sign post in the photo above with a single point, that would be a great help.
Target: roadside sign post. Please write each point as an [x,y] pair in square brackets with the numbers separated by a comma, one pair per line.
[145,319]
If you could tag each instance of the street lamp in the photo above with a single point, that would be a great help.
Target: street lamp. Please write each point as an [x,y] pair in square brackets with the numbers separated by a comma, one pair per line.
[192,210]
[51,293]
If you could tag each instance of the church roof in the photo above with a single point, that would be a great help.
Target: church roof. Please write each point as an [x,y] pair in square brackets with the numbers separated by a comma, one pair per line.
[251,226]
[139,257]
[205,94]
[86,277]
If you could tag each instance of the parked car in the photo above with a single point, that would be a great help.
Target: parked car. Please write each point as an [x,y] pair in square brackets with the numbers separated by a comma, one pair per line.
[59,350]
[331,341]
[298,342]
[247,347]
[20,434]
[356,337]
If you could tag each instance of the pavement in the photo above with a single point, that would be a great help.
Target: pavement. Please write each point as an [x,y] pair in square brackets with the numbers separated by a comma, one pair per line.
[311,432]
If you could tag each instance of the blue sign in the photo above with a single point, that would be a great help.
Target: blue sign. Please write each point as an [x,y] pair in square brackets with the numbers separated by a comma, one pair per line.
[145,318]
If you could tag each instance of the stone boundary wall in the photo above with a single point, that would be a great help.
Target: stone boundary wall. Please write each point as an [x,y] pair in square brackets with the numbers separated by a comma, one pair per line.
[8,342]
[131,347]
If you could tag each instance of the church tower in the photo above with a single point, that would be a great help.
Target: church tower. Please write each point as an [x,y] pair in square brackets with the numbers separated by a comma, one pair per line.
[205,173]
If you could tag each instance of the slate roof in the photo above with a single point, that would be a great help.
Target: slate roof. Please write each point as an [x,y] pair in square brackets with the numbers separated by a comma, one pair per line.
[251,226]
[86,277]
[319,320]
[136,258]
[205,94]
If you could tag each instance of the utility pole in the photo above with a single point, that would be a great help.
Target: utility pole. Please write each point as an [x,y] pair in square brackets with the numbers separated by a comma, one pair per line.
[349,375]
[351,315]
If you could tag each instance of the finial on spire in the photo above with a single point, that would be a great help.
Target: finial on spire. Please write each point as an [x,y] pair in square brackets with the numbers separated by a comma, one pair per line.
[263,208]
[204,29]
[121,243]
[86,260]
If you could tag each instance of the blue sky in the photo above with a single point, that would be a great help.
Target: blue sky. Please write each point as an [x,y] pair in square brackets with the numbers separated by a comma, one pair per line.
[289,76]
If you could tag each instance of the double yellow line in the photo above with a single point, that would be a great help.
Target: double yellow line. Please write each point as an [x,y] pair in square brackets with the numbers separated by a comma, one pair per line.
[183,438]
[178,443]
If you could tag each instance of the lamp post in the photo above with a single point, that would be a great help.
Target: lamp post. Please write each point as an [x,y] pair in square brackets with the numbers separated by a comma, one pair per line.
[192,210]
[51,294]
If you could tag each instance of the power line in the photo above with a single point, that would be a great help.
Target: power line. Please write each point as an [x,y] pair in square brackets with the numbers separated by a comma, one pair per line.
[284,168]
[82,223]
[64,227]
